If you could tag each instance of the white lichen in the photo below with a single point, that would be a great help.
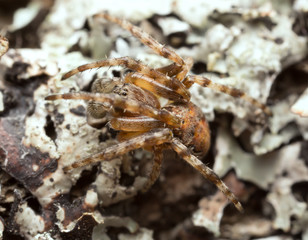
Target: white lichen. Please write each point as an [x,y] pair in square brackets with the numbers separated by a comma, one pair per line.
[28,221]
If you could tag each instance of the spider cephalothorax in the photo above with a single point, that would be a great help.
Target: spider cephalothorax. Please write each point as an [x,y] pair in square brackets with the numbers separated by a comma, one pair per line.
[135,111]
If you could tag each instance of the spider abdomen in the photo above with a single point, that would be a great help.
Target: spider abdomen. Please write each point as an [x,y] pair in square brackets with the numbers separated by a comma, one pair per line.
[194,131]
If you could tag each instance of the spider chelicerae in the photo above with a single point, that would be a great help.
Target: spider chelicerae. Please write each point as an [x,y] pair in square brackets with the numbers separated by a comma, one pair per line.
[133,105]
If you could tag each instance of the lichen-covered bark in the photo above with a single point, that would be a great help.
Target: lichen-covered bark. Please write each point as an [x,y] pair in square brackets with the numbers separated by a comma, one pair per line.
[259,47]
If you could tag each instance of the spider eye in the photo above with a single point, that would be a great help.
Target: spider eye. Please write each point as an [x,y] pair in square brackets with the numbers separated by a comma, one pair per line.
[124,91]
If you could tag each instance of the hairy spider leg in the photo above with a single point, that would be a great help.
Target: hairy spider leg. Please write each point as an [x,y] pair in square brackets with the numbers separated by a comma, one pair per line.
[125,104]
[159,89]
[208,173]
[162,88]
[189,63]
[155,171]
[175,70]
[170,70]
[144,37]
[130,127]
[152,138]
[122,61]
[236,93]
[137,66]
[184,153]
[152,43]
[135,124]
[124,136]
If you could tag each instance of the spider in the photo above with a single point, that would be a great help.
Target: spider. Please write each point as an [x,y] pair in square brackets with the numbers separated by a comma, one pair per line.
[135,110]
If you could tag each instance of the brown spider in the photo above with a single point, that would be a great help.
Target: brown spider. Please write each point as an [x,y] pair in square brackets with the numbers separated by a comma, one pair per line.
[133,103]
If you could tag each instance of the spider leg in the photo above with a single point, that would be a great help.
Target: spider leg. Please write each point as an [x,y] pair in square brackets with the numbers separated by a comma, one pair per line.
[152,138]
[157,162]
[122,61]
[208,173]
[170,70]
[181,75]
[125,104]
[174,69]
[135,124]
[124,136]
[144,37]
[142,71]
[236,93]
[166,87]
